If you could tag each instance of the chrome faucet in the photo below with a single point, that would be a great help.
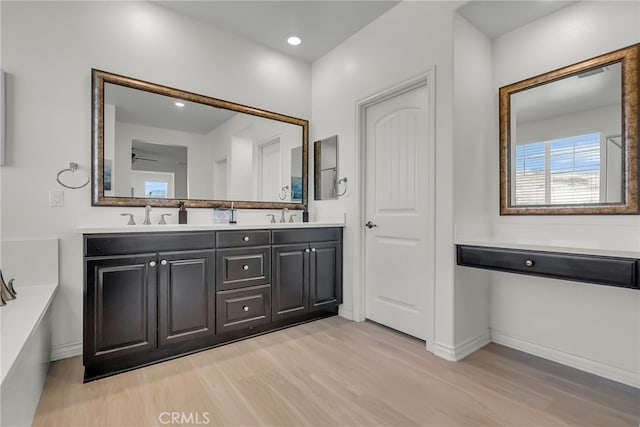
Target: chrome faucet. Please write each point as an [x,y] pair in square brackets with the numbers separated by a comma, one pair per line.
[282,216]
[147,218]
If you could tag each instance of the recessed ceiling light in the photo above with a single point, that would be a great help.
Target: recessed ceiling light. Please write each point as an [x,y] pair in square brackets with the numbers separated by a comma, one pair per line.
[179,104]
[294,41]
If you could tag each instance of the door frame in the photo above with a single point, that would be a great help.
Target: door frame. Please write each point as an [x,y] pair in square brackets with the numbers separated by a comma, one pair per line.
[425,79]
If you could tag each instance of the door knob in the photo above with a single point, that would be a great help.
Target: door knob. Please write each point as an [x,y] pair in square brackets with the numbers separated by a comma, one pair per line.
[369,224]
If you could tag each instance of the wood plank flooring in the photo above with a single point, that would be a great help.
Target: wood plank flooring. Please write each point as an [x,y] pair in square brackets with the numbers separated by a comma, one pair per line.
[334,372]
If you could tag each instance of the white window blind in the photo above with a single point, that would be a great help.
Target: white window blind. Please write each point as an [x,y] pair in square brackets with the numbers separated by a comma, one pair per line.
[559,171]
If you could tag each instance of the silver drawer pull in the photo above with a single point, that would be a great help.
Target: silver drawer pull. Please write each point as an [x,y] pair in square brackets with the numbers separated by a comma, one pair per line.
[529,263]
[313,249]
[152,264]
[306,250]
[245,267]
[163,262]
[245,238]
[245,308]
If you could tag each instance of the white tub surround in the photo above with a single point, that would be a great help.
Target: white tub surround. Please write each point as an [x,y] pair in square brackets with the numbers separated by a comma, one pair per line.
[25,342]
[97,229]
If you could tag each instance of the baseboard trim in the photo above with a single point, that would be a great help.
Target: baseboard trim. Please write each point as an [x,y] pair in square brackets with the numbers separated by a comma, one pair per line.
[462,350]
[594,367]
[65,351]
[347,314]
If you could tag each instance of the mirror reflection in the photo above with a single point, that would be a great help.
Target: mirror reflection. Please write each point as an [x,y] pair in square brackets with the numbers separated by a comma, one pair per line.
[558,137]
[161,147]
[326,168]
[568,139]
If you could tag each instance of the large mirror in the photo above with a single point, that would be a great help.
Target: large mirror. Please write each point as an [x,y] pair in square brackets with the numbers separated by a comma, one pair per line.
[569,139]
[159,146]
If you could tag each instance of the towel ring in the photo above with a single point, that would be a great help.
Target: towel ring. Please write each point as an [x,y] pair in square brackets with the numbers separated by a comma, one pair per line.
[342,180]
[283,192]
[72,168]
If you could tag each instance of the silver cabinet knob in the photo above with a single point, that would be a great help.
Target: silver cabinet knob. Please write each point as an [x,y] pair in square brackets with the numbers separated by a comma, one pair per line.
[163,262]
[313,249]
[245,267]
[529,263]
[152,264]
[245,238]
[306,250]
[245,308]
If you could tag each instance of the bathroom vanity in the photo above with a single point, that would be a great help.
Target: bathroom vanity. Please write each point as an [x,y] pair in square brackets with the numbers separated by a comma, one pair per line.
[156,295]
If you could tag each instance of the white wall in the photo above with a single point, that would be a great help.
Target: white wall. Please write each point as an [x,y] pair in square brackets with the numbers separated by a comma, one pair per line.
[596,328]
[410,39]
[473,132]
[48,50]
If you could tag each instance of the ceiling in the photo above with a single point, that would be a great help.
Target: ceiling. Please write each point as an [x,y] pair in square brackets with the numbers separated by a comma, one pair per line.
[495,18]
[323,25]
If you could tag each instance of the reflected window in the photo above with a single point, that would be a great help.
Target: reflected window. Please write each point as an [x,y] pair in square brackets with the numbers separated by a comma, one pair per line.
[156,189]
[558,171]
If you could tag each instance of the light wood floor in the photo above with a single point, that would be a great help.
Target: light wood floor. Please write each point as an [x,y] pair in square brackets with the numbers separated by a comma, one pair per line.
[334,372]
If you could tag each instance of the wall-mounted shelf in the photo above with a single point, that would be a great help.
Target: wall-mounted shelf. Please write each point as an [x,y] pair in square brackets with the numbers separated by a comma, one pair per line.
[598,269]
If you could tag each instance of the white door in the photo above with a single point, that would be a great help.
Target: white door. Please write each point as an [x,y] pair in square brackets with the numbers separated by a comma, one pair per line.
[397,205]
[269,184]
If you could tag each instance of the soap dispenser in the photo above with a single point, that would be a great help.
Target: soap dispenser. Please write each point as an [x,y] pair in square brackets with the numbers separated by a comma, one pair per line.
[232,211]
[182,214]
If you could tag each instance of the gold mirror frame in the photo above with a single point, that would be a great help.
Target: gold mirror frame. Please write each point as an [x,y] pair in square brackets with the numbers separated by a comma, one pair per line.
[99,78]
[628,57]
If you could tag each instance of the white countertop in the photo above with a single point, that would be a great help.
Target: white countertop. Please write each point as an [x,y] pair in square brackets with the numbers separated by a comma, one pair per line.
[19,319]
[97,229]
[562,246]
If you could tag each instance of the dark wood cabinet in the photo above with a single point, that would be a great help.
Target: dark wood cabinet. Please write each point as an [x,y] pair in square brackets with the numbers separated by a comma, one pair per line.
[307,277]
[186,298]
[604,270]
[149,297]
[120,307]
[290,289]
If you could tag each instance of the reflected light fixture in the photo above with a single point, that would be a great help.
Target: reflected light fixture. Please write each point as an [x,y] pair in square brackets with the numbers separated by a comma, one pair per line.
[294,41]
[179,104]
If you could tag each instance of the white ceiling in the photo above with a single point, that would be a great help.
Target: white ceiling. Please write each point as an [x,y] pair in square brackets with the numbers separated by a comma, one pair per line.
[495,18]
[322,25]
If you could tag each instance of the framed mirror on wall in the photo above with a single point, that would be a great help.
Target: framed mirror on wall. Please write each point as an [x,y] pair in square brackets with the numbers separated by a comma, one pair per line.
[569,139]
[160,146]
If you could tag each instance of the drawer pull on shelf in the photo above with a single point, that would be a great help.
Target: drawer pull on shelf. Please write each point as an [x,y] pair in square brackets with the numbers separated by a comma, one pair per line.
[529,263]
[163,262]
[313,249]
[245,267]
[245,238]
[245,308]
[152,264]
[306,250]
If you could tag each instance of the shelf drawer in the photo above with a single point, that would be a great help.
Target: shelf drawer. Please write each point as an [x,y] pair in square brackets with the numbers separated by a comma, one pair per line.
[243,308]
[238,268]
[242,238]
[306,235]
[604,270]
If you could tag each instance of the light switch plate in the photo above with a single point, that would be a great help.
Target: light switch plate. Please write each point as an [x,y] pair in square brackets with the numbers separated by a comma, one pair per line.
[56,198]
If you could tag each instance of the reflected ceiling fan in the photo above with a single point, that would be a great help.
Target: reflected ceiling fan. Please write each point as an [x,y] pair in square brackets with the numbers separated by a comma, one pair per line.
[136,158]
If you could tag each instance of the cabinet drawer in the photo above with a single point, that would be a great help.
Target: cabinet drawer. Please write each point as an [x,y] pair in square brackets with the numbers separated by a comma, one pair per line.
[243,238]
[135,243]
[583,268]
[305,235]
[238,268]
[243,308]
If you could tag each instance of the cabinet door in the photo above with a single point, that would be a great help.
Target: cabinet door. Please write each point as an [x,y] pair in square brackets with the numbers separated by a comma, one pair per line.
[325,274]
[120,306]
[290,287]
[187,296]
